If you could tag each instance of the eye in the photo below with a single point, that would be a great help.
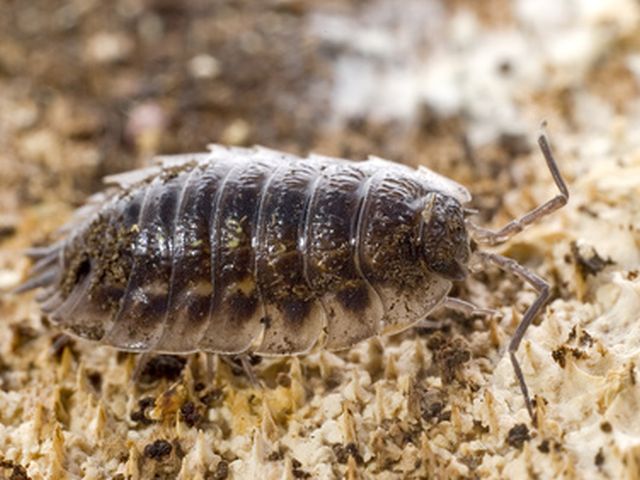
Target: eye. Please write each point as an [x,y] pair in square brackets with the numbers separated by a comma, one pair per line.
[83,270]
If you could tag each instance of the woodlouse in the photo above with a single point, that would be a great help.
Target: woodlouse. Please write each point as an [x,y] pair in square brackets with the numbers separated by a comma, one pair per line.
[253,250]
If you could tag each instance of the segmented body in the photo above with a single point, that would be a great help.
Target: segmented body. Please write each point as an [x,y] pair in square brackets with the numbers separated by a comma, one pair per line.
[248,250]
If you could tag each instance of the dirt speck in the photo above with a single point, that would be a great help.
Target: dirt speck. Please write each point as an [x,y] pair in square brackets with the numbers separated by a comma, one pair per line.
[588,261]
[17,472]
[433,404]
[190,414]
[168,367]
[449,355]
[343,452]
[518,435]
[297,471]
[606,427]
[158,450]
[221,472]
[140,415]
[544,446]
[559,355]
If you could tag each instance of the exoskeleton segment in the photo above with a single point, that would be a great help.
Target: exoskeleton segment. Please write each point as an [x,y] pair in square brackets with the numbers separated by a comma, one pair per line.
[239,251]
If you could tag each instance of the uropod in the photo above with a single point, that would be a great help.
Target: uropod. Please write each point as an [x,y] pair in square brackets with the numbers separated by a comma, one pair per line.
[251,250]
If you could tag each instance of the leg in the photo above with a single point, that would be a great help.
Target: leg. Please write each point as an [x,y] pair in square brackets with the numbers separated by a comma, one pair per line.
[542,287]
[245,365]
[142,360]
[457,305]
[210,368]
[466,308]
[489,237]
[249,371]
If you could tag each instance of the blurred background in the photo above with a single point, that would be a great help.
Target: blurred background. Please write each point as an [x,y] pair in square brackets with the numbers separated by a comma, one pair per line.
[88,88]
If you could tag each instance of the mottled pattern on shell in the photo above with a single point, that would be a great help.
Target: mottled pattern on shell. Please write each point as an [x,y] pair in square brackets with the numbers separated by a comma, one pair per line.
[246,250]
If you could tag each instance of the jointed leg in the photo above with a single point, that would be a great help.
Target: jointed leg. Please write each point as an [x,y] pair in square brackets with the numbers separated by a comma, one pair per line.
[489,237]
[249,371]
[542,288]
[466,308]
[210,367]
[141,362]
[245,365]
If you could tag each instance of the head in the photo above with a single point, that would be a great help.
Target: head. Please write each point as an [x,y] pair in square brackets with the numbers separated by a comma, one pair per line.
[445,243]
